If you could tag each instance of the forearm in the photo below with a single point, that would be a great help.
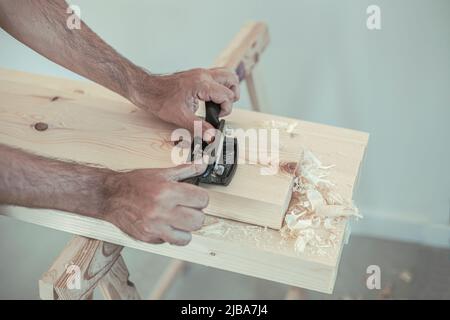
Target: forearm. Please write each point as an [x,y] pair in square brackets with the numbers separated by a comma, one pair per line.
[32,181]
[41,25]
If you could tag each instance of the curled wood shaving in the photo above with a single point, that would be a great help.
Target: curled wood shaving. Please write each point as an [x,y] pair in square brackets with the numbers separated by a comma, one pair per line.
[316,207]
[289,127]
[312,221]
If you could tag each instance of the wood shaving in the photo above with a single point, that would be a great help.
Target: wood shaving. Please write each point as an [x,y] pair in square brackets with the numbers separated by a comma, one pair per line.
[405,276]
[313,221]
[261,237]
[316,207]
[289,127]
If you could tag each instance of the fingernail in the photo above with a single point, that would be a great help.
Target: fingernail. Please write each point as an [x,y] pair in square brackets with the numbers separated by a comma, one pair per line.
[207,136]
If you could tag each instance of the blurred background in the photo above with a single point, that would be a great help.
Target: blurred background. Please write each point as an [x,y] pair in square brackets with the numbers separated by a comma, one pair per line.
[322,65]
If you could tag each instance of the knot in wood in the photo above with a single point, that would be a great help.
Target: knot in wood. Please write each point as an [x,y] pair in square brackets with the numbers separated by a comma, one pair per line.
[41,126]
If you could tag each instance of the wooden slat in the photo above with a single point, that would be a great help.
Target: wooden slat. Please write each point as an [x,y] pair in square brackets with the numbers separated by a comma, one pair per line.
[115,285]
[238,247]
[77,271]
[245,49]
[118,136]
[257,91]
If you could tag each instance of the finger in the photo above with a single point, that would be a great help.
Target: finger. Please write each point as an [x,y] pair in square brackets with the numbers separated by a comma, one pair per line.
[153,240]
[187,219]
[222,96]
[227,78]
[237,92]
[225,108]
[188,195]
[176,237]
[149,238]
[184,171]
[216,92]
[187,119]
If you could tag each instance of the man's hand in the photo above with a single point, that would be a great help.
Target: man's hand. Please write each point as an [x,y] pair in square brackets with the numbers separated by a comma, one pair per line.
[151,206]
[154,200]
[148,204]
[174,98]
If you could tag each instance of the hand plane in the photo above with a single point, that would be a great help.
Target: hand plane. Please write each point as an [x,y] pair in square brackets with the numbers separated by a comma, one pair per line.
[223,151]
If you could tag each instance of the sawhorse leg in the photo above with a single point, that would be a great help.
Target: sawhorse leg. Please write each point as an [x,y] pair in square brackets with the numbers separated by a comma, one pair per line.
[83,265]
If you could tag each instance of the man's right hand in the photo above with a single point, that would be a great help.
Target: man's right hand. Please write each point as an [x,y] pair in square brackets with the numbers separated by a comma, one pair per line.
[152,206]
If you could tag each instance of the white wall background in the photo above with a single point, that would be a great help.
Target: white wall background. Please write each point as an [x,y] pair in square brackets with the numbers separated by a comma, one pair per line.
[323,65]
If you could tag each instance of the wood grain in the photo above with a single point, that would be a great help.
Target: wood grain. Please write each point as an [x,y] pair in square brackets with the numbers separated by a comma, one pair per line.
[245,49]
[92,258]
[123,141]
[221,243]
[115,134]
[115,285]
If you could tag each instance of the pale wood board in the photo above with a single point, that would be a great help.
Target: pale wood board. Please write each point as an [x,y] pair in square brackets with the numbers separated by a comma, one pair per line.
[224,244]
[117,135]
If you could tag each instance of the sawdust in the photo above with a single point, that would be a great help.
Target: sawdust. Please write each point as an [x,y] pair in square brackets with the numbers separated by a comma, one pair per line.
[261,237]
[288,127]
[405,276]
[316,208]
[313,222]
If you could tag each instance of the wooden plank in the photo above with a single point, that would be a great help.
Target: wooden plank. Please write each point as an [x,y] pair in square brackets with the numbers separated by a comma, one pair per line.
[257,91]
[235,247]
[128,138]
[223,244]
[77,271]
[245,50]
[115,285]
[68,86]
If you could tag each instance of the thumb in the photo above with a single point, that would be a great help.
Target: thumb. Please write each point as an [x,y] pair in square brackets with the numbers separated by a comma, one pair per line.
[185,171]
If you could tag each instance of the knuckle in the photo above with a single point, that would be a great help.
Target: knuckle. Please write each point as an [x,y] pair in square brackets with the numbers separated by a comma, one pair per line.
[204,88]
[162,193]
[147,229]
[230,95]
[198,221]
[199,73]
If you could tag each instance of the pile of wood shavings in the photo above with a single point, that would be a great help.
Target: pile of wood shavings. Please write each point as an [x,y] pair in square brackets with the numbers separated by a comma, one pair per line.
[313,220]
[316,208]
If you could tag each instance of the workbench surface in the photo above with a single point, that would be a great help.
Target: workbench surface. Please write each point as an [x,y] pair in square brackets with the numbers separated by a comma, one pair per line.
[222,243]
